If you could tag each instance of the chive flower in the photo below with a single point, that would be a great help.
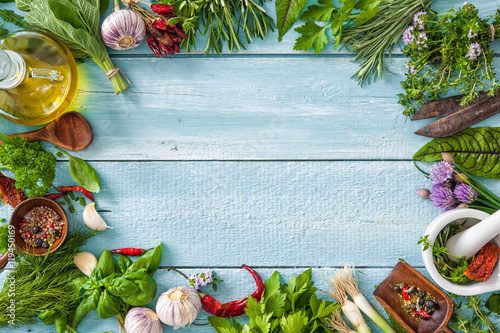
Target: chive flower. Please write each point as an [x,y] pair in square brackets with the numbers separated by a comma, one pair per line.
[441,172]
[442,197]
[465,193]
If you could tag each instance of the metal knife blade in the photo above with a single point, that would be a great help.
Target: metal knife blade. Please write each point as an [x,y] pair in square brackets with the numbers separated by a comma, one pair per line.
[462,119]
[445,106]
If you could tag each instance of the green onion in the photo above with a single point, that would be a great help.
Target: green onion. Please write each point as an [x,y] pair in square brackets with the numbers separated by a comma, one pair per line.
[61,202]
[59,154]
[350,284]
[71,209]
[82,201]
[71,195]
[67,200]
[2,219]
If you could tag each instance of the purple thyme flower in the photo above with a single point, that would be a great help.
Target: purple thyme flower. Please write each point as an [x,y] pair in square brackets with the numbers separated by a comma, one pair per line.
[442,197]
[408,37]
[411,68]
[418,20]
[474,51]
[441,172]
[465,193]
[471,34]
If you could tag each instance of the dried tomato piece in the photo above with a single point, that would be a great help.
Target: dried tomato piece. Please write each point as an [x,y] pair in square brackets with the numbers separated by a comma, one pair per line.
[9,193]
[481,267]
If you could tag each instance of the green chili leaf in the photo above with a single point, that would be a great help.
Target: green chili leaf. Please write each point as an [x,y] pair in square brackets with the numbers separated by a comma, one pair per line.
[476,150]
[82,173]
[287,12]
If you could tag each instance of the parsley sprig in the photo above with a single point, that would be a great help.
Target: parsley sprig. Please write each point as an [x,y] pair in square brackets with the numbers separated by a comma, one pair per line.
[453,271]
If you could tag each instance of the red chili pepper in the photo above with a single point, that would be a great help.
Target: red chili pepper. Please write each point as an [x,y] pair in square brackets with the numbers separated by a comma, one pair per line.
[76,189]
[154,46]
[55,196]
[177,48]
[179,31]
[130,251]
[422,313]
[162,9]
[405,294]
[163,48]
[159,24]
[235,308]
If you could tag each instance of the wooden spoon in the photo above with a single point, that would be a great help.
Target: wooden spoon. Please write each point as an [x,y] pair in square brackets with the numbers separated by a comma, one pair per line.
[71,131]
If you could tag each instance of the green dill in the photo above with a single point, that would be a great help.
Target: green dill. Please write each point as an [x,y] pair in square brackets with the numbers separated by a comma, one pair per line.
[43,283]
[33,167]
[450,270]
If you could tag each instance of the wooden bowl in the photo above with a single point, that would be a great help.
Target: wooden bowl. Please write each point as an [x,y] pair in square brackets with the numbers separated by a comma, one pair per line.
[404,273]
[22,209]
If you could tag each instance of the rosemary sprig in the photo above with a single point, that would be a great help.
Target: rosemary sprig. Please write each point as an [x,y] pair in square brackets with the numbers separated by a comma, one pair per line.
[223,21]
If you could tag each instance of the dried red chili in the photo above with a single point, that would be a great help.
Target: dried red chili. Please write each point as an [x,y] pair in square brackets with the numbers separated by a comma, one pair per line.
[9,193]
[235,308]
[162,9]
[422,313]
[55,196]
[154,46]
[482,266]
[76,189]
[405,294]
[130,251]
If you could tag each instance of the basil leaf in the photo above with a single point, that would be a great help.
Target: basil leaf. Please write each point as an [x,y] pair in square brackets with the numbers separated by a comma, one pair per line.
[476,150]
[287,12]
[108,306]
[147,288]
[106,263]
[12,17]
[154,256]
[123,263]
[82,173]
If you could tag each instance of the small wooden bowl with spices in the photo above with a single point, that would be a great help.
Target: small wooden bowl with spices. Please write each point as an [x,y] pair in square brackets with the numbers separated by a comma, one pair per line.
[40,224]
[394,301]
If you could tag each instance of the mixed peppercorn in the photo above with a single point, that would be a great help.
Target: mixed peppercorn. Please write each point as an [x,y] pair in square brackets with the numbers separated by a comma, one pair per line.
[416,302]
[41,227]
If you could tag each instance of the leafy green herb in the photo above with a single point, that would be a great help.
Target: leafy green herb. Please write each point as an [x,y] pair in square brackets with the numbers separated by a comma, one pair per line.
[34,168]
[476,150]
[291,307]
[222,21]
[493,303]
[287,12]
[449,51]
[478,321]
[82,173]
[11,16]
[450,270]
[4,238]
[76,23]
[43,283]
[335,18]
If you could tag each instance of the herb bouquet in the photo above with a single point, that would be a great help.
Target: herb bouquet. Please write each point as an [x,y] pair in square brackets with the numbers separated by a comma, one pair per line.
[448,51]
[454,188]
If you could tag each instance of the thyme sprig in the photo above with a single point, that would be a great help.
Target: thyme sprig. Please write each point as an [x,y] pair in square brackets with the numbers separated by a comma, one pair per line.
[222,21]
[448,51]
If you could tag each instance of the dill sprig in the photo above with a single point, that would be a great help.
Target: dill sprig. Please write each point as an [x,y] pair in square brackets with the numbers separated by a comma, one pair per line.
[43,283]
[223,21]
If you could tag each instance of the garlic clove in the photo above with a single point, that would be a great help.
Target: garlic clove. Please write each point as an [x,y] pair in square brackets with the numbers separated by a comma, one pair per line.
[92,219]
[86,262]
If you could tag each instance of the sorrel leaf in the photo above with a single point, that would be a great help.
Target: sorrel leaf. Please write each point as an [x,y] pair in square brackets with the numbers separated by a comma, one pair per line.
[12,17]
[476,150]
[287,12]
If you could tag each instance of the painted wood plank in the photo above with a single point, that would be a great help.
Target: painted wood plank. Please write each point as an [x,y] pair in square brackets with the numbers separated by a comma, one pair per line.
[271,45]
[267,214]
[259,108]
[237,284]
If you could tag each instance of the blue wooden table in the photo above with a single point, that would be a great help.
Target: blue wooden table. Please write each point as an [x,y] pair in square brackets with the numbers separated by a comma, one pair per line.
[267,157]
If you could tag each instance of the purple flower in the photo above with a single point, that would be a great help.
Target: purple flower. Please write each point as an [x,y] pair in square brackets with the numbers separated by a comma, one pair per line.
[418,20]
[465,193]
[411,68]
[474,51]
[408,37]
[441,172]
[442,197]
[471,34]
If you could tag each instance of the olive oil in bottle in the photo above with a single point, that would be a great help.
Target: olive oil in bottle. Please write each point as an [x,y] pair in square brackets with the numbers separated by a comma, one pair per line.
[38,78]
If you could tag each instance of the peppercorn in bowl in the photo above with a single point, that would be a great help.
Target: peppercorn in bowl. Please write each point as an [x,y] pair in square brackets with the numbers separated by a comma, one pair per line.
[40,224]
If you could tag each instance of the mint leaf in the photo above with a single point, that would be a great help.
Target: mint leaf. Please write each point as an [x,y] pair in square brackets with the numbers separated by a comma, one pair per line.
[312,35]
[287,12]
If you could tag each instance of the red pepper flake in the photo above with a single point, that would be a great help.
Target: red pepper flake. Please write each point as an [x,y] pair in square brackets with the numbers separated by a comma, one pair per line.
[481,267]
[422,313]
[405,294]
[51,225]
[44,236]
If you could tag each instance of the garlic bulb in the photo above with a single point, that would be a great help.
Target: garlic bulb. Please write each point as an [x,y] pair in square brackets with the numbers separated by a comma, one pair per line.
[178,306]
[92,219]
[142,320]
[123,30]
[86,262]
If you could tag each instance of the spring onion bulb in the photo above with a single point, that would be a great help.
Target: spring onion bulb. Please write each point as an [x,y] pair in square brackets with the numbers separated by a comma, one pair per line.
[350,310]
[336,322]
[350,283]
